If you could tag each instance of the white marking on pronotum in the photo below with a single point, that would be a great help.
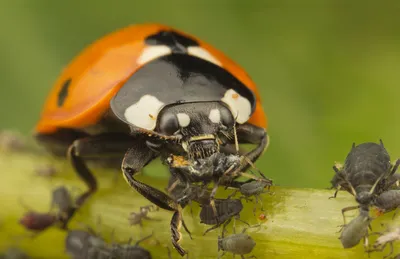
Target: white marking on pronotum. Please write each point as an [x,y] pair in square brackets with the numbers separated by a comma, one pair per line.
[203,54]
[239,106]
[183,119]
[153,52]
[144,113]
[215,116]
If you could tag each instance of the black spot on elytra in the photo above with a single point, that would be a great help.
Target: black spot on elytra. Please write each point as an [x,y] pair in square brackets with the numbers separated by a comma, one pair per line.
[177,42]
[62,95]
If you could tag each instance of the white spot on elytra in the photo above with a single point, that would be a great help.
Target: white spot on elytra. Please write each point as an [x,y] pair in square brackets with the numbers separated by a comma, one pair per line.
[239,106]
[203,54]
[183,119]
[153,52]
[144,113]
[215,116]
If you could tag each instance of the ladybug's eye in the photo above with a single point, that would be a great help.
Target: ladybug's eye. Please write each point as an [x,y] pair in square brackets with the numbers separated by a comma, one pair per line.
[226,117]
[169,123]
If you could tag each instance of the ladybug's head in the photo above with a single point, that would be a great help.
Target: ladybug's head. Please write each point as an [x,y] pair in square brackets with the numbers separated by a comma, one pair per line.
[201,126]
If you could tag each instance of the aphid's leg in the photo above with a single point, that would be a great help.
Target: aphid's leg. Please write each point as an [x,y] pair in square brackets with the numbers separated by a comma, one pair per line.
[246,198]
[244,222]
[232,194]
[216,226]
[173,185]
[366,243]
[152,219]
[143,239]
[221,255]
[93,147]
[391,250]
[212,201]
[396,165]
[255,205]
[248,133]
[261,202]
[336,192]
[176,235]
[348,209]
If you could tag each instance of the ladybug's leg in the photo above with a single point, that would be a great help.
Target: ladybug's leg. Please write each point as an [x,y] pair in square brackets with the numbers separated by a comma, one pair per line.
[93,147]
[248,133]
[133,161]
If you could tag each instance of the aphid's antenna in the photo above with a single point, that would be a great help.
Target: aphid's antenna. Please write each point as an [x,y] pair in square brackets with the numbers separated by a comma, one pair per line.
[144,238]
[381,142]
[254,167]
[351,187]
[375,184]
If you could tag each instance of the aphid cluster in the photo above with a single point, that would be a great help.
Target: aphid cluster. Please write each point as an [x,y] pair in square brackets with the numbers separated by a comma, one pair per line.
[190,183]
[369,175]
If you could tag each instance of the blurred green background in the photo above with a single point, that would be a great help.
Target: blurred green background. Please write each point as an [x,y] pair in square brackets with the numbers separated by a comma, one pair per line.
[328,71]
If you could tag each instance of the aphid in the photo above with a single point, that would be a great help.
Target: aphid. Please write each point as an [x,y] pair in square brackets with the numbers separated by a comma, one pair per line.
[37,222]
[385,238]
[366,174]
[388,201]
[14,253]
[62,199]
[46,171]
[136,218]
[184,193]
[81,244]
[225,210]
[237,244]
[254,188]
[355,230]
[128,251]
[11,141]
[219,168]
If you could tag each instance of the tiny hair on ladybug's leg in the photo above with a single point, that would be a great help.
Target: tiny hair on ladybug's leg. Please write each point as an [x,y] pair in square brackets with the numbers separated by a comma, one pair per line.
[93,147]
[248,133]
[135,159]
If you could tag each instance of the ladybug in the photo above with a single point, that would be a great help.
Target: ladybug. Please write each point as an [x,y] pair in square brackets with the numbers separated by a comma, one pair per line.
[150,91]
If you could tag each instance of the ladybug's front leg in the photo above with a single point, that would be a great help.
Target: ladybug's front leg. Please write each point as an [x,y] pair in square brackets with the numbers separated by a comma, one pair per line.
[248,133]
[135,159]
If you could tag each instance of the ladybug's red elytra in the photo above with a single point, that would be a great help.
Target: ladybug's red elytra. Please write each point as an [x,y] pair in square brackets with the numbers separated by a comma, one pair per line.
[150,91]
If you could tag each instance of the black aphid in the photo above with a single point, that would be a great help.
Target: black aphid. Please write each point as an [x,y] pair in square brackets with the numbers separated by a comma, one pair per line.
[128,251]
[254,188]
[366,174]
[225,210]
[14,253]
[81,244]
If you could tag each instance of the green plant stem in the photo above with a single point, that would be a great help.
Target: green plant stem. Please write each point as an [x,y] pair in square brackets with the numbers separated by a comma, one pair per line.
[301,223]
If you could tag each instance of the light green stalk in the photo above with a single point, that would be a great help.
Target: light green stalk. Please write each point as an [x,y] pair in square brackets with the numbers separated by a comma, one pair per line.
[301,223]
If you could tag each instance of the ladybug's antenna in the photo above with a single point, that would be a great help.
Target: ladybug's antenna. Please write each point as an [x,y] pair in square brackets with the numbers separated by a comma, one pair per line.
[235,135]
